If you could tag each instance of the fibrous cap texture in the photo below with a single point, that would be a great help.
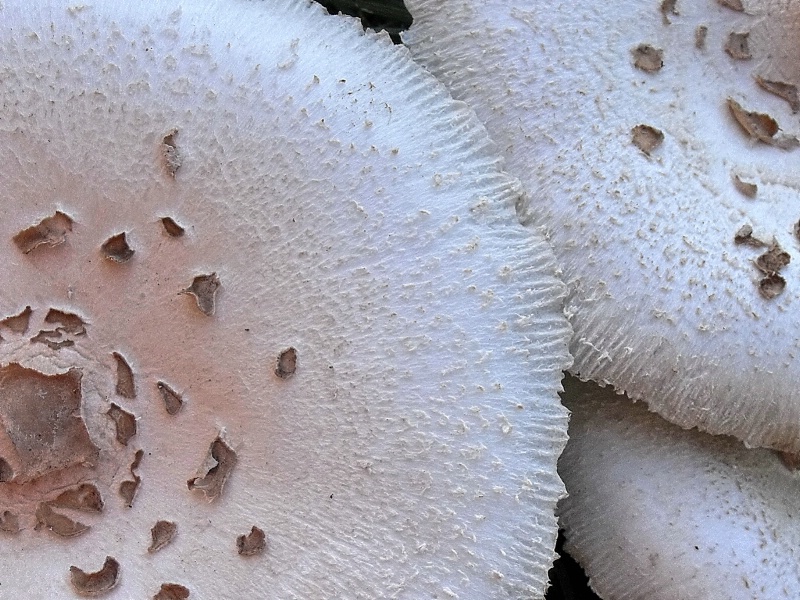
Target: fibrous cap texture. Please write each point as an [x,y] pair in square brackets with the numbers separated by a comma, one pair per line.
[284,263]
[658,144]
[655,512]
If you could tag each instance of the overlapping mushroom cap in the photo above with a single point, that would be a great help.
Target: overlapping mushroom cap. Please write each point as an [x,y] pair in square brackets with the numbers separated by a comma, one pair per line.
[656,513]
[659,147]
[263,266]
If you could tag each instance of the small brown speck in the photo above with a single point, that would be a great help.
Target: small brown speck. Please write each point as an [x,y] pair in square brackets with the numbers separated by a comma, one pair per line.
[253,543]
[647,58]
[737,45]
[94,584]
[646,138]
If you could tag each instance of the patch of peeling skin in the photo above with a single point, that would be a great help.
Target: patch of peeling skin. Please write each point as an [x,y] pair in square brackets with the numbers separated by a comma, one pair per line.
[217,467]
[204,289]
[253,543]
[50,231]
[172,591]
[98,582]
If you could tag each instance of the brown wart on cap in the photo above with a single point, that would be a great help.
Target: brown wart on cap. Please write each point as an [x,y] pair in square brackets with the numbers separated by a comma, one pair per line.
[129,487]
[787,91]
[648,58]
[18,323]
[761,127]
[169,152]
[173,401]
[126,385]
[116,248]
[85,497]
[50,231]
[171,227]
[204,289]
[253,543]
[97,583]
[215,470]
[162,534]
[286,363]
[124,422]
[647,138]
[172,591]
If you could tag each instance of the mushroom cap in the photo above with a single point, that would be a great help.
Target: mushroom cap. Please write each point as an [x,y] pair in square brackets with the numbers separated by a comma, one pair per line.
[641,178]
[655,512]
[318,315]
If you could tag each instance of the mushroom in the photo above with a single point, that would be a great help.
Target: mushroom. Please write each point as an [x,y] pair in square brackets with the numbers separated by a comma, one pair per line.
[655,512]
[632,173]
[344,208]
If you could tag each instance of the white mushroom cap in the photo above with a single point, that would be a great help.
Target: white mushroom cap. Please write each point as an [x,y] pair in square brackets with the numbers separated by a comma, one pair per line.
[662,298]
[657,513]
[281,250]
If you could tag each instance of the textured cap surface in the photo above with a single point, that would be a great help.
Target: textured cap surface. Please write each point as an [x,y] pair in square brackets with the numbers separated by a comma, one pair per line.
[649,144]
[285,256]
